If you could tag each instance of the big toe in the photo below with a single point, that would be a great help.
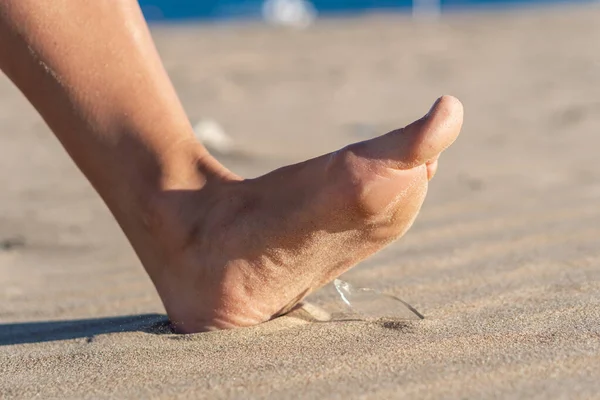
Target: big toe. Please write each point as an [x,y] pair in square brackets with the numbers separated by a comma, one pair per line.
[422,141]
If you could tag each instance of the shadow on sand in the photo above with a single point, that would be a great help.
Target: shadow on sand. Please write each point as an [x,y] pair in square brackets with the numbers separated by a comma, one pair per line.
[46,331]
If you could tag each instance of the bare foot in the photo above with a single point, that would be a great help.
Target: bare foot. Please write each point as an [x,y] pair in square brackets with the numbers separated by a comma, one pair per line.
[240,252]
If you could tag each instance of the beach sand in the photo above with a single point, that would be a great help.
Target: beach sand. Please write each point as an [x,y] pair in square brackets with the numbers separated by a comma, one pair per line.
[504,260]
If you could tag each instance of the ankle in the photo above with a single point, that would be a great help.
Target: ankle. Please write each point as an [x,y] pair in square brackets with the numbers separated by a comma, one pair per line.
[190,167]
[188,180]
[162,200]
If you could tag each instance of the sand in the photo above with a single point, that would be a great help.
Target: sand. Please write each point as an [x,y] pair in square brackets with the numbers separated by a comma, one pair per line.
[504,260]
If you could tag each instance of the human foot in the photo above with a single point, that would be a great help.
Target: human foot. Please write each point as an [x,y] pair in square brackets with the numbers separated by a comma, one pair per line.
[240,252]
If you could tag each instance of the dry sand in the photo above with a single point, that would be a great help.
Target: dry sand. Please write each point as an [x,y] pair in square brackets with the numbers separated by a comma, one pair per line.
[504,260]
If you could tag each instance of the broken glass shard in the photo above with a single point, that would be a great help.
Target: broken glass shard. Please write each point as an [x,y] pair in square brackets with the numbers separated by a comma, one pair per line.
[373,304]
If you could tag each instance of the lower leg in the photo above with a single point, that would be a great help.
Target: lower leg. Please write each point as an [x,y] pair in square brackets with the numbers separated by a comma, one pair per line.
[91,70]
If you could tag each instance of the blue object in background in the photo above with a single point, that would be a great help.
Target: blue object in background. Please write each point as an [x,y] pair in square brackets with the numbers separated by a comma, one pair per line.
[157,10]
[199,9]
[236,9]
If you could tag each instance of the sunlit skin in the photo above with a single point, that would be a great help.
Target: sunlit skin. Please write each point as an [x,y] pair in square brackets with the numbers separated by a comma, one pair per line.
[222,251]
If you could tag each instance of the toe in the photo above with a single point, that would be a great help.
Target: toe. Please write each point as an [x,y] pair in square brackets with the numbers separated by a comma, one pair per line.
[421,141]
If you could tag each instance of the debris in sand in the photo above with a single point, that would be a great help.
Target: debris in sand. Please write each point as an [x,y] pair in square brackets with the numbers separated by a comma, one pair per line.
[11,243]
[374,304]
[213,137]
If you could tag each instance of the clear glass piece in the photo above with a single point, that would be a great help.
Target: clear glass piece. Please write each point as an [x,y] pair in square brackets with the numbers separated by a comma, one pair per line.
[374,304]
